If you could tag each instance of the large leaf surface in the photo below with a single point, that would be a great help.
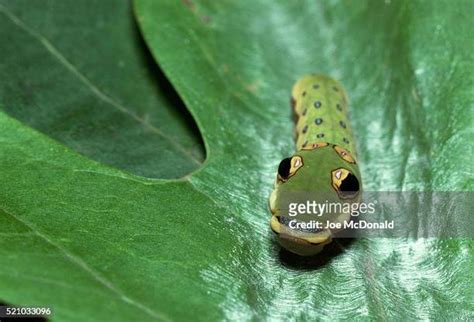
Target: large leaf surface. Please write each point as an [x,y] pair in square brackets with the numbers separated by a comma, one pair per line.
[80,73]
[409,78]
[93,241]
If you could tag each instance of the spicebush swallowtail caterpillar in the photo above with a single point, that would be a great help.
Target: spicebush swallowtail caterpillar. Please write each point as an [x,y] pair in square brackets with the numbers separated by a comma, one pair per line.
[323,169]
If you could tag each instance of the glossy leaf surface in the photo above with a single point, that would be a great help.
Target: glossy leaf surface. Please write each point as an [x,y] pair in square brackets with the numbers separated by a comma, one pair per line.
[105,244]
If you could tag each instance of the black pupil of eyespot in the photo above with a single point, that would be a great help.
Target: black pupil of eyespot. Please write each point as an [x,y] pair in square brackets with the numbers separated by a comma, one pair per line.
[284,168]
[350,185]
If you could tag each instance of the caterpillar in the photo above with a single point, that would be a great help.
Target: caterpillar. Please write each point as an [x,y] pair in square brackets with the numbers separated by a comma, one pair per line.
[323,169]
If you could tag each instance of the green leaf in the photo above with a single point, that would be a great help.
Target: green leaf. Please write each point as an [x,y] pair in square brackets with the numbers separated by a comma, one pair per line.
[98,243]
[87,80]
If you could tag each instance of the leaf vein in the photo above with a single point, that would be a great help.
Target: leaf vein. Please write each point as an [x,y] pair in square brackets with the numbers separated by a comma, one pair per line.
[94,89]
[84,266]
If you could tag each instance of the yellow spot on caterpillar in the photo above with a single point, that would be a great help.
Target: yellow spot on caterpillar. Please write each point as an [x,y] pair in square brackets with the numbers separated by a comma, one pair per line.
[338,176]
[343,153]
[296,163]
[272,201]
[315,145]
[275,225]
[322,238]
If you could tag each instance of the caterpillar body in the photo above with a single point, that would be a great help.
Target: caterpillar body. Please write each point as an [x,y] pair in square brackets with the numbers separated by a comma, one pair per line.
[323,169]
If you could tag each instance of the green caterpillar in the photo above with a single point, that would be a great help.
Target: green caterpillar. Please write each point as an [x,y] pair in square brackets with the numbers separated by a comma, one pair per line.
[323,168]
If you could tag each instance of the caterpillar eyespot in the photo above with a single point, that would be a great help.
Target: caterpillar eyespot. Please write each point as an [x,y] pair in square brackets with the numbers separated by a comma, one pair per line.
[288,167]
[324,163]
[345,183]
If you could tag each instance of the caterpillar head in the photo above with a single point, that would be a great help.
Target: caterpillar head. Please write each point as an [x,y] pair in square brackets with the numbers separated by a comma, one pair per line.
[322,174]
